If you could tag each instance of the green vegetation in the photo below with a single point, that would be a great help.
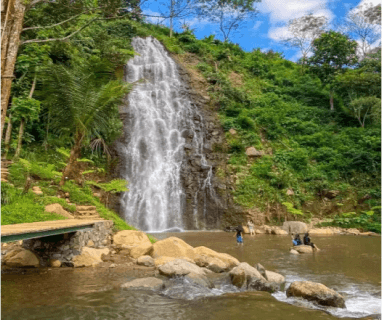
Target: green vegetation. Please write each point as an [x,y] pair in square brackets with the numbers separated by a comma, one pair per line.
[274,105]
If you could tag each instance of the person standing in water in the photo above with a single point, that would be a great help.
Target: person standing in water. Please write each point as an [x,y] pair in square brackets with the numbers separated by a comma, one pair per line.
[251,227]
[239,235]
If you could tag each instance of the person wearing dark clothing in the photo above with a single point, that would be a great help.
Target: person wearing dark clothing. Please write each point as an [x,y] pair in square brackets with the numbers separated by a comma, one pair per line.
[239,235]
[307,241]
[297,240]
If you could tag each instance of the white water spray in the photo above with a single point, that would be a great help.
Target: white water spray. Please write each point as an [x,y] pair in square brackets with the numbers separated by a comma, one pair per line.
[159,118]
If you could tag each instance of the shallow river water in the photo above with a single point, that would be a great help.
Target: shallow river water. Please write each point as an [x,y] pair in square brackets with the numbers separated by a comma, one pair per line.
[349,264]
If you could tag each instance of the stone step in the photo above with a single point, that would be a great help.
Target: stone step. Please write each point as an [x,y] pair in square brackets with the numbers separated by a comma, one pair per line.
[94,217]
[4,175]
[87,213]
[86,208]
[4,180]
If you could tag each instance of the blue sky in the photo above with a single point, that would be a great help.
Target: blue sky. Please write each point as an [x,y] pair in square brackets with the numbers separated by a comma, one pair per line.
[269,26]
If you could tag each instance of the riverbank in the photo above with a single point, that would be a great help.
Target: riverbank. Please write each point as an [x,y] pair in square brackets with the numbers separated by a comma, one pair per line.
[345,263]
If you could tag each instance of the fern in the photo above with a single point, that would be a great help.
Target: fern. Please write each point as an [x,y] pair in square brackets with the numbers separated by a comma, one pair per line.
[64,152]
[114,186]
[291,209]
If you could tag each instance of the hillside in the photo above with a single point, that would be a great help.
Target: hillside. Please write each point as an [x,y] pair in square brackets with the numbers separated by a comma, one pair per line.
[309,162]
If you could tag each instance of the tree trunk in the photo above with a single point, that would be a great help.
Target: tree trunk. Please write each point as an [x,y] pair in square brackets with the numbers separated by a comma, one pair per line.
[8,136]
[70,169]
[172,16]
[11,27]
[331,96]
[20,139]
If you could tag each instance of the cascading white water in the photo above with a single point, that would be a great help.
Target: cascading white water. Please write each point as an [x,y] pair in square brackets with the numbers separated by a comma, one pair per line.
[159,115]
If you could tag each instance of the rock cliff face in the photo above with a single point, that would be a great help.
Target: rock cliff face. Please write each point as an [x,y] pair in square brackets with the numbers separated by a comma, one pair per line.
[205,201]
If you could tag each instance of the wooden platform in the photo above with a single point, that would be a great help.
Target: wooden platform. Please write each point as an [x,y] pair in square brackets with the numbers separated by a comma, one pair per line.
[23,231]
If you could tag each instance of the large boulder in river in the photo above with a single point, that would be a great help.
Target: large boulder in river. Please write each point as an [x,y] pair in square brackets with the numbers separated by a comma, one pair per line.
[226,258]
[303,249]
[244,273]
[89,257]
[130,238]
[295,227]
[141,250]
[317,292]
[279,232]
[180,267]
[274,277]
[213,264]
[149,283]
[146,261]
[173,247]
[20,257]
[163,260]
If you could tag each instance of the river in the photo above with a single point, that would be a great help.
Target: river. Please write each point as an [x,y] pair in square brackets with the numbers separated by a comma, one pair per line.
[349,264]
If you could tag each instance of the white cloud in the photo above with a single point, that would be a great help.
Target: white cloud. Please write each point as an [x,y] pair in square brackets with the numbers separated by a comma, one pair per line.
[285,10]
[257,25]
[152,16]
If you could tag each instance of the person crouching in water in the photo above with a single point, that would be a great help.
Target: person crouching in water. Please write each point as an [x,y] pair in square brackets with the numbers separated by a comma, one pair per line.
[239,235]
[308,243]
[297,240]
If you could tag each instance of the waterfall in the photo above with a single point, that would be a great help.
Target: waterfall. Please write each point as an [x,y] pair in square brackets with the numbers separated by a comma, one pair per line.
[159,118]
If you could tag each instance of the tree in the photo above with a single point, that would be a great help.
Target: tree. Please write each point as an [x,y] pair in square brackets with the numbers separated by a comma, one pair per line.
[365,107]
[81,106]
[363,24]
[228,14]
[63,13]
[332,52]
[303,31]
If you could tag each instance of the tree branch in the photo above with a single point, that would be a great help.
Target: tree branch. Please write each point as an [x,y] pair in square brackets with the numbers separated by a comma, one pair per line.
[53,25]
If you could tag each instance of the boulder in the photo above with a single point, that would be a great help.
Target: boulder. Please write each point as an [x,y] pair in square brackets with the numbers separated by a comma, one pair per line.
[246,230]
[353,231]
[278,231]
[316,292]
[130,238]
[89,257]
[324,231]
[236,274]
[199,279]
[58,209]
[54,263]
[303,249]
[295,227]
[290,192]
[213,264]
[224,257]
[261,285]
[149,283]
[262,270]
[293,251]
[173,247]
[232,131]
[274,277]
[259,231]
[141,250]
[146,261]
[20,257]
[180,267]
[163,260]
[253,153]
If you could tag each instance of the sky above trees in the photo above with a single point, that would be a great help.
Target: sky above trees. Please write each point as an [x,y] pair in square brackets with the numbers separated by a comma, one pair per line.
[269,27]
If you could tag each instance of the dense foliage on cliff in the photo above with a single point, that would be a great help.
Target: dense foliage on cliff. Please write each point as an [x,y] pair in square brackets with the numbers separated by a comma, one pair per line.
[309,152]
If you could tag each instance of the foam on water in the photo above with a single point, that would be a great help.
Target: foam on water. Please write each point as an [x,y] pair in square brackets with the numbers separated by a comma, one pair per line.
[358,300]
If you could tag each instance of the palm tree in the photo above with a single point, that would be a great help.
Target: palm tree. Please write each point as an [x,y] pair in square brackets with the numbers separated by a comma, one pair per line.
[82,102]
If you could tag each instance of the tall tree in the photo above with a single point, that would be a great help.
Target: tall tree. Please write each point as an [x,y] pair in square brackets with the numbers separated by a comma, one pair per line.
[302,32]
[332,52]
[228,14]
[81,106]
[362,24]
[63,12]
